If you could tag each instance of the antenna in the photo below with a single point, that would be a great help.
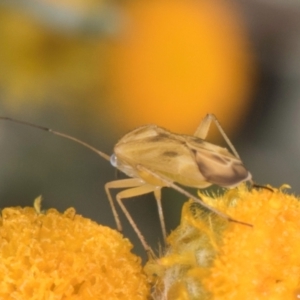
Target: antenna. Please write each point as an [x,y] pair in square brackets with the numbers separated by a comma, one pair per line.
[63,135]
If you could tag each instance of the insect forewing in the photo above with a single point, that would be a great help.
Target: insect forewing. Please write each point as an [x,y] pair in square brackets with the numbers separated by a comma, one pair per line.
[217,164]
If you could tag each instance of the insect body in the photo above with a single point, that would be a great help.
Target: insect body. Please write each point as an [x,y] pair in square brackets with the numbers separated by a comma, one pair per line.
[184,159]
[154,158]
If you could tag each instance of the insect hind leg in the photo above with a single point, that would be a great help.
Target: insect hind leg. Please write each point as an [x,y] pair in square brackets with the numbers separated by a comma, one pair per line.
[182,191]
[259,186]
[203,128]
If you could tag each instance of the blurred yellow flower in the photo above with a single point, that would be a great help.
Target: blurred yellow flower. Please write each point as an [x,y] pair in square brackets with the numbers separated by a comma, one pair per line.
[183,57]
[210,258]
[65,256]
[109,60]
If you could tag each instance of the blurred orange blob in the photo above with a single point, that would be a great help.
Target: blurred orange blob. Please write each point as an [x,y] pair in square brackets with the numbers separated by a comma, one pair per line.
[175,61]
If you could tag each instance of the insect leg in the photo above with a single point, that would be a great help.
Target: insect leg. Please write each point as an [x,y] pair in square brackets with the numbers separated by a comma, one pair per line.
[203,129]
[189,195]
[157,194]
[136,187]
[259,186]
[119,184]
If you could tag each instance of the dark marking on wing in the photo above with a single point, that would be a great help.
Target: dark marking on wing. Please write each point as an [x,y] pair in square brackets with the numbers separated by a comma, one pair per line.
[158,138]
[220,170]
[236,174]
[170,153]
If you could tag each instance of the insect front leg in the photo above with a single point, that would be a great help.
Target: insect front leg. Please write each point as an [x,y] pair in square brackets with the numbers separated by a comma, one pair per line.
[119,184]
[203,129]
[136,187]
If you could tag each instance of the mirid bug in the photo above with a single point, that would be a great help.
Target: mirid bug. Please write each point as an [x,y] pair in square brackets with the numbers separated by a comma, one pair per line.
[154,158]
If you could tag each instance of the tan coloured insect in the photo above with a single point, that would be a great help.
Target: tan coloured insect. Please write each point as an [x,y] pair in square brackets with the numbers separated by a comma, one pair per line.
[154,158]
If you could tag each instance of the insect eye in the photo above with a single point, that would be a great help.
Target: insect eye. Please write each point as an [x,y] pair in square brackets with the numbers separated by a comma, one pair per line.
[113,160]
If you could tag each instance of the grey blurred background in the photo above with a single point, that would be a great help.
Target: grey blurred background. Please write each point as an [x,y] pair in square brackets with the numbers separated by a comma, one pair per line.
[53,72]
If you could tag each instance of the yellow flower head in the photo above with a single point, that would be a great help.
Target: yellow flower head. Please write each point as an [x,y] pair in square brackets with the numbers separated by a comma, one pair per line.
[65,256]
[211,258]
